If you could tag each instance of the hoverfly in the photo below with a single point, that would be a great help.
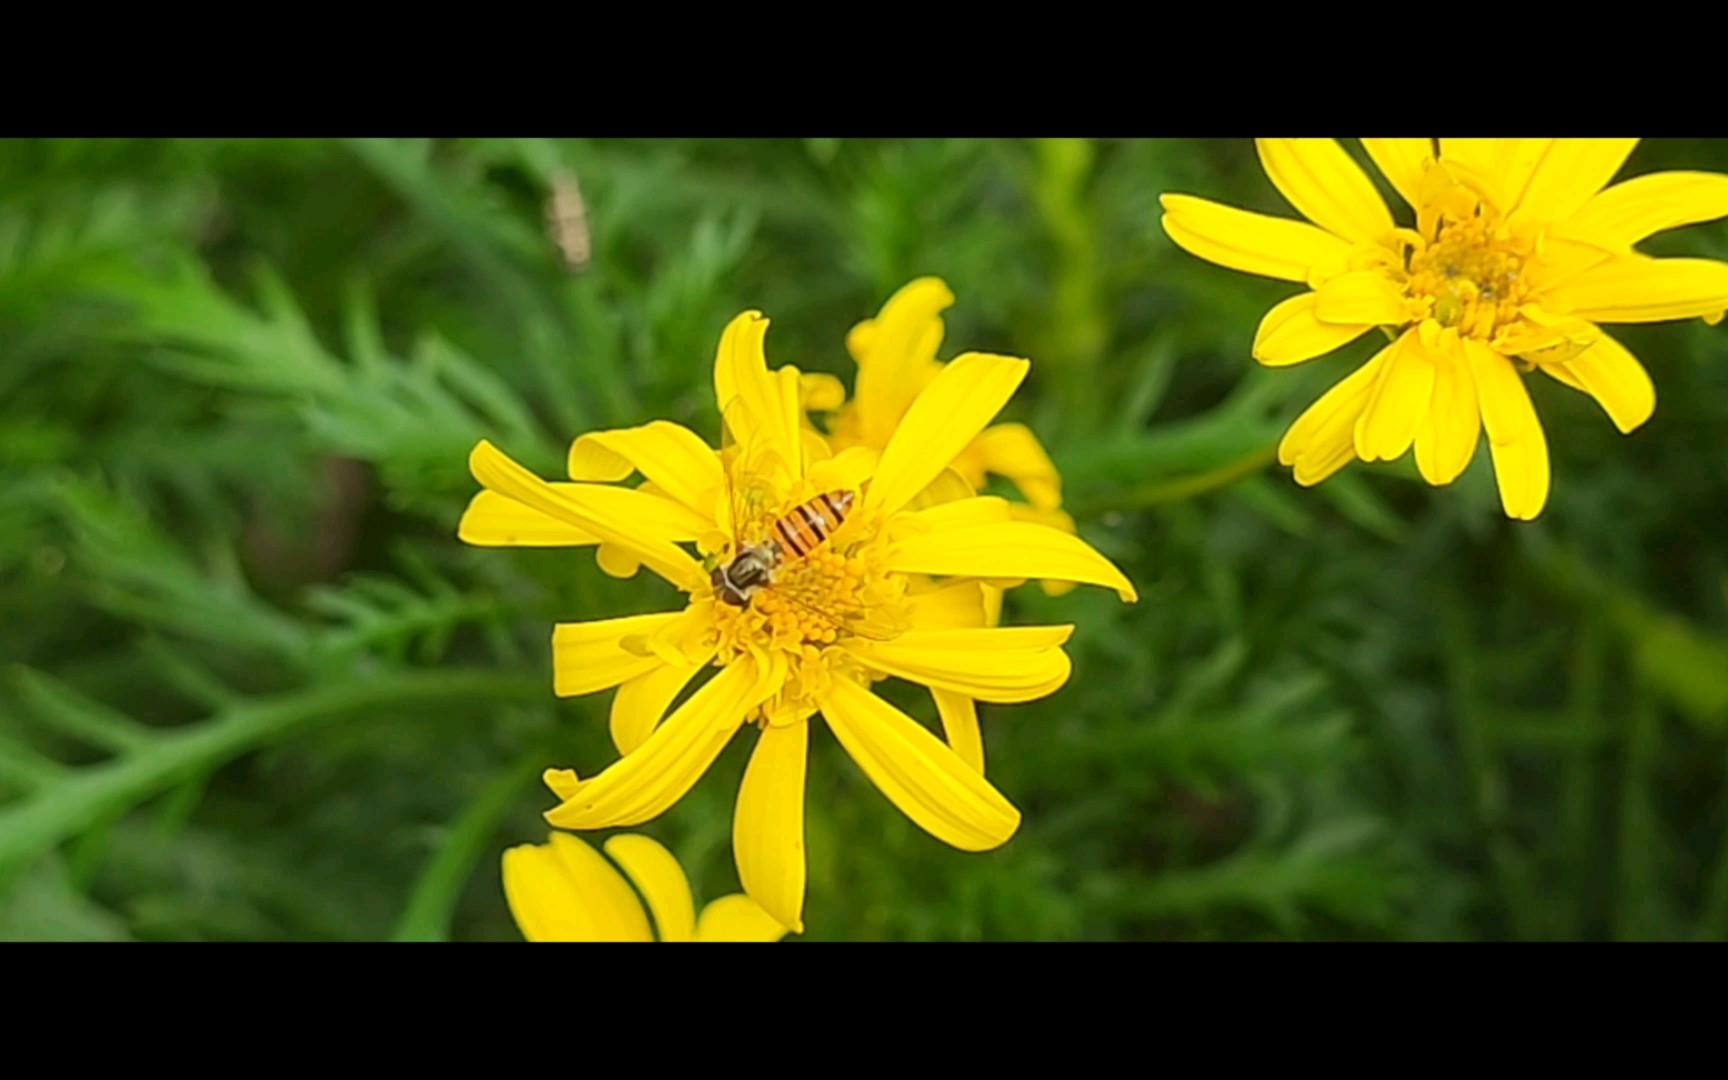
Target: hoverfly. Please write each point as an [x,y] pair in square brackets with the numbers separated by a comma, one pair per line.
[567,221]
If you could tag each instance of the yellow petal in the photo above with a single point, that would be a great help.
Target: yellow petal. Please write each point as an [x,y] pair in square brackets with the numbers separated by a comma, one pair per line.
[661,882]
[952,606]
[947,415]
[1396,402]
[768,826]
[563,782]
[1515,436]
[1361,297]
[1402,161]
[1253,243]
[1291,333]
[643,700]
[1614,377]
[613,515]
[1567,173]
[1452,425]
[1018,550]
[1322,440]
[737,918]
[1631,211]
[492,520]
[1329,189]
[590,656]
[1002,664]
[897,355]
[564,891]
[819,391]
[1498,169]
[960,723]
[919,774]
[1011,450]
[670,456]
[1640,289]
[654,776]
[766,403]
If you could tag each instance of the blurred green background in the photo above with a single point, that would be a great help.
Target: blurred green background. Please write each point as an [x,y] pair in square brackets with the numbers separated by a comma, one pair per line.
[255,689]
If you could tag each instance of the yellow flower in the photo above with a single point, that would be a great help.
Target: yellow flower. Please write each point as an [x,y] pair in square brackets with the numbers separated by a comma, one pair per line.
[896,357]
[564,891]
[896,590]
[1518,251]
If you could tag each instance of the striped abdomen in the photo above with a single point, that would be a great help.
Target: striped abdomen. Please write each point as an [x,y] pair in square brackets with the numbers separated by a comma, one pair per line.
[808,525]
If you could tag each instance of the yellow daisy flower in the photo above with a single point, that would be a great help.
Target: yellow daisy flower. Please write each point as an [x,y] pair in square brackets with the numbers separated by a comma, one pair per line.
[1518,251]
[822,574]
[896,357]
[564,891]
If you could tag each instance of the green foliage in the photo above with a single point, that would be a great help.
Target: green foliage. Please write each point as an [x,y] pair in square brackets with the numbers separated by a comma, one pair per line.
[256,689]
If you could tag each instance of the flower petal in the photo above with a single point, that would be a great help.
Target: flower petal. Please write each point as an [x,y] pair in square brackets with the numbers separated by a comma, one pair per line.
[1253,243]
[649,780]
[617,516]
[950,413]
[1614,377]
[767,402]
[1452,425]
[641,702]
[768,825]
[1322,440]
[1515,436]
[1397,401]
[1402,161]
[590,656]
[896,355]
[493,520]
[660,880]
[1640,289]
[1291,333]
[1011,450]
[1360,297]
[1329,189]
[919,774]
[1637,208]
[819,391]
[670,456]
[736,917]
[1567,173]
[952,606]
[1002,664]
[564,891]
[1018,550]
[960,723]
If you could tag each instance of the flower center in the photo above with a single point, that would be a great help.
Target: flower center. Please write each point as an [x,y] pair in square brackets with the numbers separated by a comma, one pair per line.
[1469,271]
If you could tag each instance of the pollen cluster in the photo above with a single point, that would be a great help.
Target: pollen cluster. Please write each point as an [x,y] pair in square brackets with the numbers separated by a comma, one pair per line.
[1471,274]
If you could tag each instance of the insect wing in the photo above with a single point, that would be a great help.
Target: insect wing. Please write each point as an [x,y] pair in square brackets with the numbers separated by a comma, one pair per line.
[869,625]
[750,464]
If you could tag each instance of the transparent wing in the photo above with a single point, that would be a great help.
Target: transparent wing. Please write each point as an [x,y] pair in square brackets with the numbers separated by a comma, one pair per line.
[751,469]
[870,625]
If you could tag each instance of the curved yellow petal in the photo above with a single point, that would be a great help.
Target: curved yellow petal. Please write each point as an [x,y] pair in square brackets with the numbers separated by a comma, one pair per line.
[768,825]
[1567,173]
[918,773]
[960,723]
[650,779]
[1360,297]
[1608,372]
[613,515]
[736,917]
[642,701]
[1018,550]
[952,606]
[660,880]
[897,354]
[1498,169]
[1012,451]
[1323,439]
[1001,664]
[1291,333]
[1327,187]
[949,414]
[1637,208]
[1397,401]
[819,391]
[1515,436]
[1638,289]
[590,656]
[493,520]
[564,891]
[670,456]
[1402,162]
[766,402]
[563,782]
[1253,243]
[1452,425]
